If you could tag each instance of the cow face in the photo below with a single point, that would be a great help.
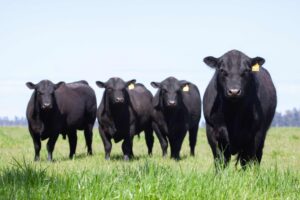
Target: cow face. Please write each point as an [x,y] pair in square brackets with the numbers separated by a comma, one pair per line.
[44,91]
[116,89]
[234,72]
[170,92]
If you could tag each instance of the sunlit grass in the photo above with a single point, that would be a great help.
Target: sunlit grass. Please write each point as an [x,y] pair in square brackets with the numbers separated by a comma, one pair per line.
[92,177]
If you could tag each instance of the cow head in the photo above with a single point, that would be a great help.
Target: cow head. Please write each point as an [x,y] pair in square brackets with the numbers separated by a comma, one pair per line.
[44,91]
[116,90]
[234,72]
[170,92]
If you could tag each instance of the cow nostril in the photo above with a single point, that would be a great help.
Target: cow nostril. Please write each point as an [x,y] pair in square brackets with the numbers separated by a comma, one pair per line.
[118,99]
[234,92]
[172,102]
[46,105]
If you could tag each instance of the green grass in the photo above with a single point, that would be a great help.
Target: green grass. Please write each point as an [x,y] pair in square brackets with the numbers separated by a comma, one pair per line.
[145,177]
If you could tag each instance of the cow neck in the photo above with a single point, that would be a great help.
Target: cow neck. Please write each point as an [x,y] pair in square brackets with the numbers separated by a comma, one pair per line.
[117,109]
[172,115]
[46,116]
[242,105]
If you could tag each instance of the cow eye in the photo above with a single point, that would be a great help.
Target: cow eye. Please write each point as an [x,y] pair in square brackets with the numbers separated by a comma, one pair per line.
[109,89]
[223,72]
[245,72]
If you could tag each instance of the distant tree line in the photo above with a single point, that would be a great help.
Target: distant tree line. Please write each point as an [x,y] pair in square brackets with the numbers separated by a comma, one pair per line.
[17,121]
[288,118]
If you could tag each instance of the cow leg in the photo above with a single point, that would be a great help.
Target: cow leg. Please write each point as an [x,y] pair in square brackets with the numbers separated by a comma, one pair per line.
[131,151]
[224,154]
[175,144]
[219,143]
[50,146]
[213,143]
[162,139]
[37,147]
[132,132]
[193,139]
[259,145]
[259,153]
[72,135]
[247,155]
[88,134]
[149,139]
[245,158]
[36,143]
[106,143]
[127,148]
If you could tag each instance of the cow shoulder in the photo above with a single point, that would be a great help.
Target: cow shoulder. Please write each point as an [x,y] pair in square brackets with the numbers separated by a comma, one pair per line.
[266,92]
[210,98]
[140,97]
[191,97]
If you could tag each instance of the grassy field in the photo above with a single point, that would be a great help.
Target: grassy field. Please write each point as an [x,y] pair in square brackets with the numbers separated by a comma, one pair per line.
[145,177]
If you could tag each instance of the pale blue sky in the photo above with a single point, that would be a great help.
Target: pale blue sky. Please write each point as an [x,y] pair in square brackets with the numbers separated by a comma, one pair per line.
[146,40]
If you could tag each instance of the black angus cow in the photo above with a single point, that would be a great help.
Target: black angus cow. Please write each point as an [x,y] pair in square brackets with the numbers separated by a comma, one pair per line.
[239,105]
[60,108]
[177,109]
[124,111]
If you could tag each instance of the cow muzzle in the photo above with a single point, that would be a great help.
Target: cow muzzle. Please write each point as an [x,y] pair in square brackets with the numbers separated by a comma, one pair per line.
[46,106]
[119,100]
[234,92]
[171,103]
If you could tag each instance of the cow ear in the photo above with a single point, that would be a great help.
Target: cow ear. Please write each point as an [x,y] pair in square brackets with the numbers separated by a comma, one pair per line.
[31,85]
[100,84]
[130,82]
[57,85]
[155,84]
[184,85]
[211,61]
[257,60]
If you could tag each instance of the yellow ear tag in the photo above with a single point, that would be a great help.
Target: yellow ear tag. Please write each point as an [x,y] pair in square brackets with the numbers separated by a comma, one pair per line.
[131,86]
[255,68]
[186,88]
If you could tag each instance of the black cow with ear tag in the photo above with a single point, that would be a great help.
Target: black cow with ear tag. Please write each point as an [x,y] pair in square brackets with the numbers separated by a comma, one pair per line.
[239,105]
[124,111]
[176,110]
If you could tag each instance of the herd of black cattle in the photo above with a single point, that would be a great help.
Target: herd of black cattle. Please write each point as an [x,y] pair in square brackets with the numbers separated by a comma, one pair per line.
[238,104]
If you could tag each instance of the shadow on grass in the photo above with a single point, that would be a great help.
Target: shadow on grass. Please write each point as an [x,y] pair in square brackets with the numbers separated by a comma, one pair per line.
[120,157]
[76,157]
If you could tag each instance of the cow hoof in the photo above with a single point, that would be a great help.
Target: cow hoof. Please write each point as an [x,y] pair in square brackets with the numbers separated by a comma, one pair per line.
[107,158]
[72,157]
[36,159]
[177,158]
[50,159]
[126,158]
